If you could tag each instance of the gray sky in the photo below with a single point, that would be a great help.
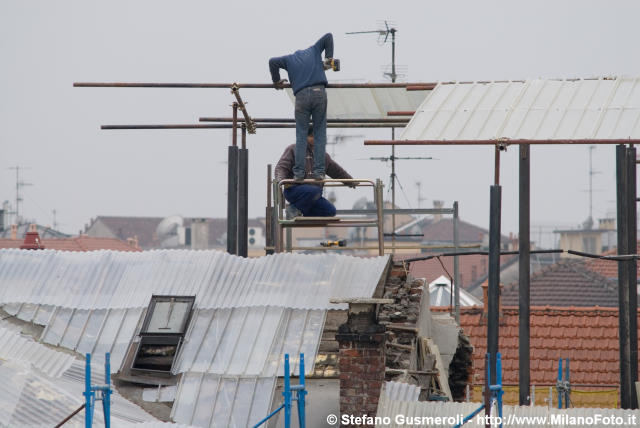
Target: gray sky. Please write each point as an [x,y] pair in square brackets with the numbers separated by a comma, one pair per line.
[52,128]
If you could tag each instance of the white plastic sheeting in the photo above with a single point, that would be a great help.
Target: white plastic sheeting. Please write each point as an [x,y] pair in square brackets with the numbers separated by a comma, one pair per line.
[368,103]
[16,347]
[533,109]
[113,280]
[403,411]
[207,400]
[401,391]
[160,394]
[28,398]
[251,341]
[440,294]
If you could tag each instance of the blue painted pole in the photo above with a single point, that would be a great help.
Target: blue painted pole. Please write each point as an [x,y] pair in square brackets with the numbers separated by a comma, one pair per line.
[287,393]
[106,393]
[88,408]
[301,396]
[559,382]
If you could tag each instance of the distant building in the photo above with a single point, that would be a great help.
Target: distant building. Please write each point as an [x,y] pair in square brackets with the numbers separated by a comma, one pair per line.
[175,232]
[588,239]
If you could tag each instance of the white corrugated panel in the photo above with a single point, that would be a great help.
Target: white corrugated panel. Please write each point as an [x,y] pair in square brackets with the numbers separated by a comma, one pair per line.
[207,400]
[160,394]
[16,347]
[109,279]
[401,391]
[250,341]
[533,109]
[425,413]
[440,294]
[368,103]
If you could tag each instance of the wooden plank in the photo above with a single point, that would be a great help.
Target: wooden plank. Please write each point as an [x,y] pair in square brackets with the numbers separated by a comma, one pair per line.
[442,373]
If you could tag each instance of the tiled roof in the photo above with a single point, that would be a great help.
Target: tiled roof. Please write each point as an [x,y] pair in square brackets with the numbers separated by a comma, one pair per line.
[587,336]
[607,268]
[566,283]
[471,267]
[442,231]
[77,243]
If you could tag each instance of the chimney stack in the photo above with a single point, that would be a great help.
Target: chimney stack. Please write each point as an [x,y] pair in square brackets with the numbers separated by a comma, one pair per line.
[32,239]
[14,231]
[437,205]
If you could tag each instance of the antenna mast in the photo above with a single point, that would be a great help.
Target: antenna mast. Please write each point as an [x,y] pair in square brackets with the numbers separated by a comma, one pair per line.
[19,185]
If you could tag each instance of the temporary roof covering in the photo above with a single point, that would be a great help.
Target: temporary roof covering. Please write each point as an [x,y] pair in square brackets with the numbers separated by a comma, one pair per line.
[248,314]
[368,103]
[605,108]
[440,294]
[109,279]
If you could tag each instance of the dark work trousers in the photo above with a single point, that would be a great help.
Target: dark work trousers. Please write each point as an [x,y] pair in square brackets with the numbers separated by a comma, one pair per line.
[308,199]
[311,104]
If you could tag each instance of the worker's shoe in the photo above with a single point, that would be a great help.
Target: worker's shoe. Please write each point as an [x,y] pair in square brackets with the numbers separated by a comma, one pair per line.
[298,178]
[317,177]
[292,212]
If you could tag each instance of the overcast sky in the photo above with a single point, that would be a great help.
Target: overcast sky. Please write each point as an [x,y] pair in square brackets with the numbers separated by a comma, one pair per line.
[52,129]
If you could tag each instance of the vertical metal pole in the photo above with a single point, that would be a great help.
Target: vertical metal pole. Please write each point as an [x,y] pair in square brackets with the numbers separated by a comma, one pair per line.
[287,393]
[632,274]
[559,382]
[456,268]
[243,196]
[487,389]
[268,232]
[494,275]
[88,406]
[234,130]
[623,283]
[393,195]
[106,394]
[232,200]
[301,396]
[379,203]
[524,245]
[567,381]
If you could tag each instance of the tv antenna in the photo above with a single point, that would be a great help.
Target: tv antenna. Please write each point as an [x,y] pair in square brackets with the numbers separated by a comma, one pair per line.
[19,185]
[339,139]
[420,198]
[393,178]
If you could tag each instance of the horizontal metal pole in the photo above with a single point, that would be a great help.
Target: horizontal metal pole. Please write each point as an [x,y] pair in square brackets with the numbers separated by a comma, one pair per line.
[414,86]
[504,142]
[400,113]
[401,211]
[480,253]
[258,125]
[292,120]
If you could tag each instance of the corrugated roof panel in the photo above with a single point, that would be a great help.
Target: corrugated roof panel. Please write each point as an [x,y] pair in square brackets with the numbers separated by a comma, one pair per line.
[534,109]
[105,279]
[371,103]
[401,391]
[207,400]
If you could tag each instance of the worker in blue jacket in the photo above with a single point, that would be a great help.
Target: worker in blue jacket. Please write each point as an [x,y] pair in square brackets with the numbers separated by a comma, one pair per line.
[308,81]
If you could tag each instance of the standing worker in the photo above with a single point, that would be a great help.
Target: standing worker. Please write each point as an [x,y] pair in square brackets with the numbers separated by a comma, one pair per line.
[308,81]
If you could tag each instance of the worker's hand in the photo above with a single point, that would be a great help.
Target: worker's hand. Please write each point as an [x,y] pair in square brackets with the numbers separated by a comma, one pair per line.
[328,63]
[351,184]
[280,84]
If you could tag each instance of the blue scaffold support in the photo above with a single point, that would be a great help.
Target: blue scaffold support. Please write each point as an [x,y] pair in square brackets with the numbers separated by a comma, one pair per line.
[287,393]
[93,393]
[563,385]
[495,390]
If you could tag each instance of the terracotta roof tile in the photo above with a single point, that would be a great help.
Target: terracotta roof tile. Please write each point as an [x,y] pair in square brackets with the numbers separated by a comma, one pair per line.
[607,268]
[585,335]
[77,243]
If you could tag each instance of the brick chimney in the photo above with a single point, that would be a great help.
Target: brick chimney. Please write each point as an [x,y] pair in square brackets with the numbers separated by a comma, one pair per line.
[485,300]
[14,231]
[133,241]
[361,358]
[437,205]
[32,239]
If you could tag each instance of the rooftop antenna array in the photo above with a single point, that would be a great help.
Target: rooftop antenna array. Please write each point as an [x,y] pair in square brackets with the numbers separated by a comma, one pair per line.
[383,37]
[19,185]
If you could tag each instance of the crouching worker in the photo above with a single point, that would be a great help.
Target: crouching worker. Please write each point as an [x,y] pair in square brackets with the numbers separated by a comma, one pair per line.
[306,199]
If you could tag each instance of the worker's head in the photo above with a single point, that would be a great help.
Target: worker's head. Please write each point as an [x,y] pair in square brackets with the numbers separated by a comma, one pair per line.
[310,136]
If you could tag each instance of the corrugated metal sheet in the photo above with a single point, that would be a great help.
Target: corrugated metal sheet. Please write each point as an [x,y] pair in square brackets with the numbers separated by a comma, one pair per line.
[440,294]
[208,400]
[112,280]
[160,394]
[370,103]
[15,347]
[396,410]
[533,109]
[31,399]
[401,391]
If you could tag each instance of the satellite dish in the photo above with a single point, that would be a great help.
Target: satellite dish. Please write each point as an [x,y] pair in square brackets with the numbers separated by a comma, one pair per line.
[167,230]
